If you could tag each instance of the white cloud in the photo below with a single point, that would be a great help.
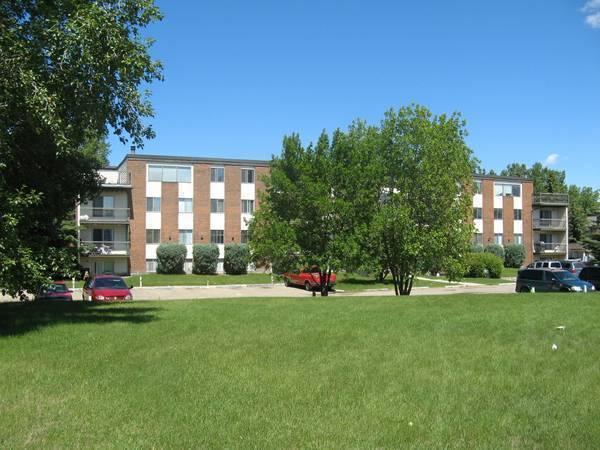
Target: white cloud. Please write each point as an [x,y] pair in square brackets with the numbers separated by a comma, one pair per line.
[591,8]
[552,159]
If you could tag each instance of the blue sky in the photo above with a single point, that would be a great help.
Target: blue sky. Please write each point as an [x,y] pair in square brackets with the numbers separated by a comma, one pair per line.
[239,75]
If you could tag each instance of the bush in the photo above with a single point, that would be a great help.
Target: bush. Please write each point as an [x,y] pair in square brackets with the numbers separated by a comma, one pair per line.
[514,255]
[237,258]
[170,258]
[476,248]
[206,258]
[495,249]
[481,265]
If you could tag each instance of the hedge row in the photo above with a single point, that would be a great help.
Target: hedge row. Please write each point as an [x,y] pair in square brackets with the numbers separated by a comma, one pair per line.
[171,259]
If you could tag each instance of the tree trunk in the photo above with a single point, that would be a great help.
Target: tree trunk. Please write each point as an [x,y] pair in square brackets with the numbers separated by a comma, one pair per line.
[406,285]
[323,282]
[395,279]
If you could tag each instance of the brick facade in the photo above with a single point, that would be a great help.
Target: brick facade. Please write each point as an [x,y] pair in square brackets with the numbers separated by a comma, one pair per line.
[527,195]
[487,191]
[508,220]
[169,213]
[137,221]
[233,204]
[201,203]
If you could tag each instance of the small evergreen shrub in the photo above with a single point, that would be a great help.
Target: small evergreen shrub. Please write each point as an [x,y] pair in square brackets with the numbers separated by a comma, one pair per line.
[237,258]
[206,258]
[495,249]
[514,255]
[476,248]
[170,258]
[483,265]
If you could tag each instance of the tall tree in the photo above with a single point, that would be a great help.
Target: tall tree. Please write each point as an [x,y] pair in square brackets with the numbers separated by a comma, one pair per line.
[69,70]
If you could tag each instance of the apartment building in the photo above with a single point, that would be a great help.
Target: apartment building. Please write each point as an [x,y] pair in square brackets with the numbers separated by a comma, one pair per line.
[151,199]
[503,211]
[551,226]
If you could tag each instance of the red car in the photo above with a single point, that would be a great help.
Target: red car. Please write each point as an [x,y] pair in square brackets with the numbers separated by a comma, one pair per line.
[309,278]
[56,291]
[106,288]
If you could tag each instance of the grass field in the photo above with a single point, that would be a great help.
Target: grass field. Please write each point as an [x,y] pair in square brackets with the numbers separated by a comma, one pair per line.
[470,371]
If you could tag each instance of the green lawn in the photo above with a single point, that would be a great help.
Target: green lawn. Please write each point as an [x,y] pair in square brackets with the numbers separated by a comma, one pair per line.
[474,371]
[154,279]
[353,282]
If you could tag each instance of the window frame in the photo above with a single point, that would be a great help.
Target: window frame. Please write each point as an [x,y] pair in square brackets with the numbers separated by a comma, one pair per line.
[519,214]
[189,233]
[477,213]
[153,234]
[500,214]
[186,201]
[247,171]
[214,236]
[499,238]
[246,202]
[215,170]
[152,201]
[217,201]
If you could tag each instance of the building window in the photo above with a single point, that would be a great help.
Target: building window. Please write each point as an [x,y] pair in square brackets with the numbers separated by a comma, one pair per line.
[152,236]
[170,174]
[507,189]
[247,206]
[478,239]
[185,205]
[477,187]
[103,206]
[519,239]
[185,237]
[151,265]
[217,174]
[518,214]
[244,237]
[498,213]
[247,175]
[498,238]
[217,205]
[153,204]
[217,236]
[101,235]
[477,213]
[546,238]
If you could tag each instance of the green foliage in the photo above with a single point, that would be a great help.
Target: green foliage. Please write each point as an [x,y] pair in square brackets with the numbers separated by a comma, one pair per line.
[495,249]
[477,248]
[206,259]
[583,203]
[69,71]
[544,179]
[170,258]
[237,258]
[514,255]
[481,265]
[592,241]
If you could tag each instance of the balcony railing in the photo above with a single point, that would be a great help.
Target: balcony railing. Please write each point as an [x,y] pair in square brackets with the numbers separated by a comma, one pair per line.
[105,248]
[549,247]
[557,224]
[122,179]
[91,214]
[551,199]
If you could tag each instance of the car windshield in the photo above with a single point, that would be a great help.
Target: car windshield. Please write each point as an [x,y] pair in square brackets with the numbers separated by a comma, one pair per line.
[110,283]
[564,275]
[57,288]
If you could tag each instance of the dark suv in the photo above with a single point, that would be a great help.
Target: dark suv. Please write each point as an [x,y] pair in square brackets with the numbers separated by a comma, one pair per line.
[547,280]
[591,275]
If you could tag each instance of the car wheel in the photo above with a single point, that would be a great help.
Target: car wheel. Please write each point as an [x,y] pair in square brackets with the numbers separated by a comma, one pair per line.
[525,289]
[286,282]
[307,286]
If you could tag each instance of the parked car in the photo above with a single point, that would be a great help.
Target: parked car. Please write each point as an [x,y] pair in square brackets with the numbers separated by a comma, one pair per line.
[307,277]
[547,280]
[106,288]
[56,291]
[591,275]
[573,266]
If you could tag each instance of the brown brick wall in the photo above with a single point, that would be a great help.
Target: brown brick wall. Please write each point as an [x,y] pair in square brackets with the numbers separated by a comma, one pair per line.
[527,196]
[233,204]
[487,192]
[169,213]
[201,203]
[508,220]
[137,222]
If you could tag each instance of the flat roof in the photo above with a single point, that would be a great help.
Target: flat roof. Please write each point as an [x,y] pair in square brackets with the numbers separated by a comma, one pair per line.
[501,178]
[195,159]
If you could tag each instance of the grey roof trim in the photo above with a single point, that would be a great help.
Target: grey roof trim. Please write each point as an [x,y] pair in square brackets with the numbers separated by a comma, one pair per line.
[501,178]
[195,159]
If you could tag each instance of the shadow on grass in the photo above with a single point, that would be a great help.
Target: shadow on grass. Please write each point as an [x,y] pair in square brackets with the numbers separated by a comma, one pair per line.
[365,281]
[21,318]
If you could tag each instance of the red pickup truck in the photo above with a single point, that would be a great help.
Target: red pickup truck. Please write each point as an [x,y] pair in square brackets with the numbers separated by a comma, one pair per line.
[309,278]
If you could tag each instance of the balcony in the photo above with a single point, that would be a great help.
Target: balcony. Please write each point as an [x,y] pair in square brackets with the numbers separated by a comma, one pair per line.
[104,215]
[549,248]
[117,179]
[551,199]
[105,248]
[549,224]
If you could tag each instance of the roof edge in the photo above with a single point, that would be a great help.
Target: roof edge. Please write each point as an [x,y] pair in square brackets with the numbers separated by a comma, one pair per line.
[193,159]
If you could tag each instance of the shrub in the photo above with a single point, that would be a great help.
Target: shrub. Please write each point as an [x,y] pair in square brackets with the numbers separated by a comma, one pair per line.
[170,258]
[206,258]
[237,258]
[514,255]
[480,265]
[476,248]
[495,249]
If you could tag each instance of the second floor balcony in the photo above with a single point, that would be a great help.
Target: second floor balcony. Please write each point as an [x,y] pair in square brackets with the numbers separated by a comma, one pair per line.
[549,248]
[554,199]
[105,248]
[103,215]
[549,224]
